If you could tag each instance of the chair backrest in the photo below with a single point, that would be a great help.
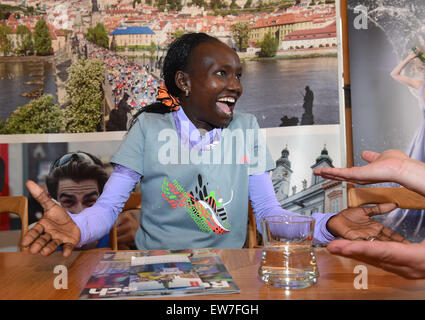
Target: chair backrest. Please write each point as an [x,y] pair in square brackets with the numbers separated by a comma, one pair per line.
[17,205]
[403,197]
[133,202]
[252,240]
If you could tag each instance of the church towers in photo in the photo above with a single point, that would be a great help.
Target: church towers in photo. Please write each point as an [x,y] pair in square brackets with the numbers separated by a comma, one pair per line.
[320,195]
[281,176]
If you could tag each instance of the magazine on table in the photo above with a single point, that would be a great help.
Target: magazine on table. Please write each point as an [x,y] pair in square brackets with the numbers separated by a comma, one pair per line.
[156,273]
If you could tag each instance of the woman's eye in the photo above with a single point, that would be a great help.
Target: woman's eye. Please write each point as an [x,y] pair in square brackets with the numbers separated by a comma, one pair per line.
[239,76]
[220,73]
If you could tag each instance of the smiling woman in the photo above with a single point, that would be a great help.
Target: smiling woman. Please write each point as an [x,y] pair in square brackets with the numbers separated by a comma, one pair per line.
[190,203]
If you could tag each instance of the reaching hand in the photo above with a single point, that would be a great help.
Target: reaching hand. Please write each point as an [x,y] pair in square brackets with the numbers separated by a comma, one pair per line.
[356,224]
[54,228]
[384,167]
[406,260]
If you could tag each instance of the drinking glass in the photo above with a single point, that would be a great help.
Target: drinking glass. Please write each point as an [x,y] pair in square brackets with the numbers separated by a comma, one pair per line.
[288,259]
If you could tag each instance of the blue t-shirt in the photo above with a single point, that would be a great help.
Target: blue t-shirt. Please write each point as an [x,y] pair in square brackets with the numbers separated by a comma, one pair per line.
[193,199]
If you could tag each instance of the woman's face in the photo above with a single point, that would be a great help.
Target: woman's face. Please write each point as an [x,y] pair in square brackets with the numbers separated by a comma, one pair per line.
[213,80]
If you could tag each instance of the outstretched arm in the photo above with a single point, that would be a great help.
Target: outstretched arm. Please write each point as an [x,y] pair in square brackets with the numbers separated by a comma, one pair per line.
[396,73]
[354,223]
[96,221]
[406,260]
[58,227]
[389,166]
[264,204]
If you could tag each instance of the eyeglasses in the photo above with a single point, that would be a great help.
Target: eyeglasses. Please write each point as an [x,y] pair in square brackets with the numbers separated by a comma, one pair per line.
[73,156]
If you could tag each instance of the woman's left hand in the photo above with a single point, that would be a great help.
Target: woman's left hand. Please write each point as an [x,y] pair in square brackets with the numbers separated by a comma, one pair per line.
[356,224]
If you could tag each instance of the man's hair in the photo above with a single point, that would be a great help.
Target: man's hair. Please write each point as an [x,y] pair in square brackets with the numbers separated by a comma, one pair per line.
[77,170]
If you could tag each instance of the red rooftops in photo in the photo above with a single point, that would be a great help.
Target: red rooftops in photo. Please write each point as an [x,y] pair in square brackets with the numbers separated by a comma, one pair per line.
[163,23]
[120,11]
[290,18]
[326,32]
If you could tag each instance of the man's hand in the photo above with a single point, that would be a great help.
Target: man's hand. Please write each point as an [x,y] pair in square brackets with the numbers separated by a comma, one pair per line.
[54,228]
[406,260]
[356,224]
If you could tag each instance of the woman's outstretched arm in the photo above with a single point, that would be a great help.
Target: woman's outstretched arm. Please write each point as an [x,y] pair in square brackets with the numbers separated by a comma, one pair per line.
[396,73]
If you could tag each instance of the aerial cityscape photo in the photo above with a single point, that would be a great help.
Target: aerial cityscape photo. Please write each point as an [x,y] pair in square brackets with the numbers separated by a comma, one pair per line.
[89,65]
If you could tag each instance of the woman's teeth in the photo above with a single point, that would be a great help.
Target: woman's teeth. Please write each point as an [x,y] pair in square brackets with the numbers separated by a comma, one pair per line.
[227,99]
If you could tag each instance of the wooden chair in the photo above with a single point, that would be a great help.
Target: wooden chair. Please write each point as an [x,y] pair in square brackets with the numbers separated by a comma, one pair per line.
[133,202]
[17,205]
[253,238]
[403,197]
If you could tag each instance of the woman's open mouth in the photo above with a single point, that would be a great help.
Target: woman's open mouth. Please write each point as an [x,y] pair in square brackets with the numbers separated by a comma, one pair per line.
[226,105]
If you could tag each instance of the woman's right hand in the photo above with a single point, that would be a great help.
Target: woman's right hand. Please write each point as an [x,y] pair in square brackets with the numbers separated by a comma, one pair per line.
[55,228]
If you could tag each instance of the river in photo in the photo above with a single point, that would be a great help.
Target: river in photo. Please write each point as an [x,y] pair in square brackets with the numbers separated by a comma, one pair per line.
[276,87]
[15,72]
[272,88]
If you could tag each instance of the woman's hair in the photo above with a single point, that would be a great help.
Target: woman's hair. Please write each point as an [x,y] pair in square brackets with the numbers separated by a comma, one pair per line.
[177,58]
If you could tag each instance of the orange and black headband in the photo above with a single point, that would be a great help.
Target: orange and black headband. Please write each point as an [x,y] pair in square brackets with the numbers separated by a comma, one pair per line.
[167,98]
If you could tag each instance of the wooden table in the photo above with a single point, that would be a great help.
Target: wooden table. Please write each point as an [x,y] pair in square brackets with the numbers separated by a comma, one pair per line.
[26,276]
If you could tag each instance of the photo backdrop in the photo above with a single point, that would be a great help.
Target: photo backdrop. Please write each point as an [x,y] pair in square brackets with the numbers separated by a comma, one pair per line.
[295,94]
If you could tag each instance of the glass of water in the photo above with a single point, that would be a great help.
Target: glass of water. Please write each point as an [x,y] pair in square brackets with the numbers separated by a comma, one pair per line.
[288,259]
